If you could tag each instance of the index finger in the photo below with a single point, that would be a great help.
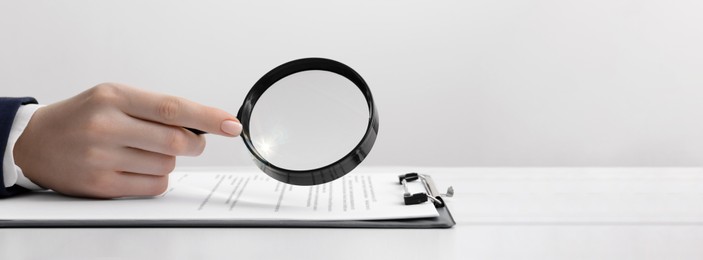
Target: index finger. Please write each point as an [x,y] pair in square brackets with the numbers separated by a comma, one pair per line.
[176,111]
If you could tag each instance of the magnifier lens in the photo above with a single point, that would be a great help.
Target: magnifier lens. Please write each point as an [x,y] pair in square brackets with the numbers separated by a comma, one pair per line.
[308,120]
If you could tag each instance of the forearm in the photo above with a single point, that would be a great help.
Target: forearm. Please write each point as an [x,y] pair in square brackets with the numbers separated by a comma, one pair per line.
[14,116]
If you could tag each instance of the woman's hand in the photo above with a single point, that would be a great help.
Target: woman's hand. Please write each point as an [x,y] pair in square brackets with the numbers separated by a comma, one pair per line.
[115,141]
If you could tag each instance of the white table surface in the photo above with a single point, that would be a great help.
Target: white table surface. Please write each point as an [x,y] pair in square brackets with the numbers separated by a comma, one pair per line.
[501,213]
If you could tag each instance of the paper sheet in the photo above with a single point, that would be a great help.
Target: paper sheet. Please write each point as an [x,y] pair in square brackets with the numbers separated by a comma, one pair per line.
[230,195]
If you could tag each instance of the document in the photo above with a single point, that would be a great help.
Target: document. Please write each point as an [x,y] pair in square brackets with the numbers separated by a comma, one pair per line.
[233,195]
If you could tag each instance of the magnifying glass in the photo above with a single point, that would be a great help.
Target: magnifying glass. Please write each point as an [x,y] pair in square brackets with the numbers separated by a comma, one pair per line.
[309,121]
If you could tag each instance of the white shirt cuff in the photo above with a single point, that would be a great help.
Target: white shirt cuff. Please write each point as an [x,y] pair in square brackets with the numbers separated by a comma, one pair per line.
[12,174]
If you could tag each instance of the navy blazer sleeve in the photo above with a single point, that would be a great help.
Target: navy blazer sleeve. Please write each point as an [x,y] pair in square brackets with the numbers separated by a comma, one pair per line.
[8,109]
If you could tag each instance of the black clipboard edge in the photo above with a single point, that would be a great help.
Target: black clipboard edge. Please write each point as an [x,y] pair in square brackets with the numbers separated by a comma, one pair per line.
[445,220]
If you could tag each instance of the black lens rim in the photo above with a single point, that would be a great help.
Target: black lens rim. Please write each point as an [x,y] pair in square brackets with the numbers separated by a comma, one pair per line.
[334,170]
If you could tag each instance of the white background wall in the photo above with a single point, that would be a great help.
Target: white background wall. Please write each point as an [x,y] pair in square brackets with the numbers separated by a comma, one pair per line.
[460,83]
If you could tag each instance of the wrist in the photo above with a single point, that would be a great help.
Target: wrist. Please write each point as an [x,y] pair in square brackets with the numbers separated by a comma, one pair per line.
[17,149]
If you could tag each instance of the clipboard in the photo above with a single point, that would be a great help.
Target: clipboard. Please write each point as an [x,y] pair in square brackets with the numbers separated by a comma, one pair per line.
[443,220]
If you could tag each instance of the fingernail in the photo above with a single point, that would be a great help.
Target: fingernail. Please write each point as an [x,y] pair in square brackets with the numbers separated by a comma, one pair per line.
[231,127]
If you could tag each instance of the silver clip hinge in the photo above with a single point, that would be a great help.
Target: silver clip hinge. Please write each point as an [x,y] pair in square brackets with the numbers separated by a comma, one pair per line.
[431,190]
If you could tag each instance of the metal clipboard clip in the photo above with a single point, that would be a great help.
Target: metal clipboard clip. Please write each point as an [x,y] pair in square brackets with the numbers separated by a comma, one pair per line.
[430,193]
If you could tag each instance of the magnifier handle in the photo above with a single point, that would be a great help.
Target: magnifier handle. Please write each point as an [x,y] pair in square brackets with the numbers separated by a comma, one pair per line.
[195,131]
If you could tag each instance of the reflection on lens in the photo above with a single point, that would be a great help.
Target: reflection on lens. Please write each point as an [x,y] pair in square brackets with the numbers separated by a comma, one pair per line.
[308,120]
